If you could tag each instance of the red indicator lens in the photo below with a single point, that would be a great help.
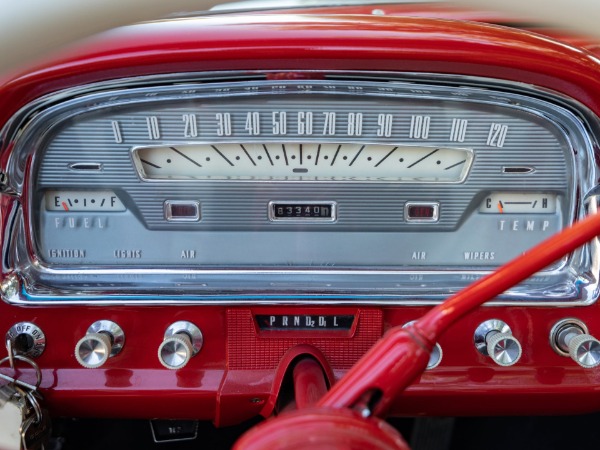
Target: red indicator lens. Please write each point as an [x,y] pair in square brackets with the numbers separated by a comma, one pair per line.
[421,212]
[182,210]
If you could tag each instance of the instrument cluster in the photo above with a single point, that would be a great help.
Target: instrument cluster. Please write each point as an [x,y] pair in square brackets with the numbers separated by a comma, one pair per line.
[378,188]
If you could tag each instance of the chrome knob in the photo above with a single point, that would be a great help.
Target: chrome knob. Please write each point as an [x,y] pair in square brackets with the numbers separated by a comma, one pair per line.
[569,337]
[102,340]
[494,338]
[503,348]
[182,341]
[585,350]
[93,350]
[176,351]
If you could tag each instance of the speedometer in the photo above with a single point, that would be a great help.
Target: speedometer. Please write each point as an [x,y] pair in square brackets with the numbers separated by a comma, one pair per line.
[308,161]
[282,182]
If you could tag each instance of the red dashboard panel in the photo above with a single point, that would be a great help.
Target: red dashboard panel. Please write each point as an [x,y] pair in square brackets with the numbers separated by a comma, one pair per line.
[232,380]
[240,369]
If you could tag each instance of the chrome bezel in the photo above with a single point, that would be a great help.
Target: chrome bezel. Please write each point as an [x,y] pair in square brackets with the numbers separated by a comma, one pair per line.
[116,333]
[191,330]
[558,327]
[34,332]
[273,285]
[485,328]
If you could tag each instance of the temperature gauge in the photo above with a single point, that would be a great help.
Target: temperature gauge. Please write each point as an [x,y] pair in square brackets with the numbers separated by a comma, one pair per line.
[73,201]
[518,203]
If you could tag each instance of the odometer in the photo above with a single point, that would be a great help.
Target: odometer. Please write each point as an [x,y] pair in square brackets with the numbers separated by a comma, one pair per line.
[302,211]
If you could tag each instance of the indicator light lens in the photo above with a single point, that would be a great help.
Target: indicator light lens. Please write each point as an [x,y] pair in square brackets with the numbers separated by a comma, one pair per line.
[182,211]
[421,212]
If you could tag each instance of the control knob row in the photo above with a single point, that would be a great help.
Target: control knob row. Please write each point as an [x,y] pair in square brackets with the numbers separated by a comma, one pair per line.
[105,339]
[183,340]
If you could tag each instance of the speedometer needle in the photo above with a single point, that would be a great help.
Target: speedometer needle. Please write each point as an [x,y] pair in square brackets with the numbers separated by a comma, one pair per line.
[500,208]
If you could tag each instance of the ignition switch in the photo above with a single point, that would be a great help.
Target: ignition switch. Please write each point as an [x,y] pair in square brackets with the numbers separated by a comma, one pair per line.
[26,339]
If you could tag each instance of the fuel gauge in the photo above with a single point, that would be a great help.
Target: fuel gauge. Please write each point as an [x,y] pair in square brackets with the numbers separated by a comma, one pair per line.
[518,203]
[92,201]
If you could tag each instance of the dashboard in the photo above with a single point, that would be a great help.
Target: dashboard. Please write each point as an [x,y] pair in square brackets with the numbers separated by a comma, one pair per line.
[191,205]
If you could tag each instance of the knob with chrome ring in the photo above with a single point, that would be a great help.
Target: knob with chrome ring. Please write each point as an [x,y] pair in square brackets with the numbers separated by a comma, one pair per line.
[494,338]
[182,341]
[103,340]
[585,350]
[503,348]
[570,337]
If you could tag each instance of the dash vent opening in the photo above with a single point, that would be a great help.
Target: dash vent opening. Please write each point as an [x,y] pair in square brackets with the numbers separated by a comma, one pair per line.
[85,167]
[518,170]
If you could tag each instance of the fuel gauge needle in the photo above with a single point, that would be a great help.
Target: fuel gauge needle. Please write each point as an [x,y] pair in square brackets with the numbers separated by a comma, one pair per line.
[500,207]
[64,205]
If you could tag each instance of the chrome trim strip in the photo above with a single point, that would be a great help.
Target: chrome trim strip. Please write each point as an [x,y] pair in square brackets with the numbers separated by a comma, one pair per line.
[261,300]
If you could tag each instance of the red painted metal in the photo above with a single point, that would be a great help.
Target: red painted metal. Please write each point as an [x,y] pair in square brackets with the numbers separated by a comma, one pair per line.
[260,388]
[221,383]
[386,370]
[322,429]
[296,42]
[248,348]
[309,383]
[465,383]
